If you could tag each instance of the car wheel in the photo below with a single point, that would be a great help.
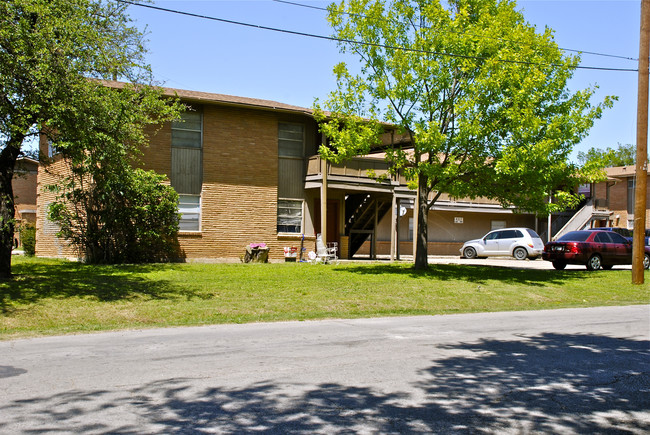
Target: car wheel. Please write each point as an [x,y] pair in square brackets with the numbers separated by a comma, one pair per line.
[559,265]
[646,261]
[469,252]
[594,262]
[520,253]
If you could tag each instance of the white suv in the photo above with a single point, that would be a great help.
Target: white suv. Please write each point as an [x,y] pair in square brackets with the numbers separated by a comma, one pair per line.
[521,243]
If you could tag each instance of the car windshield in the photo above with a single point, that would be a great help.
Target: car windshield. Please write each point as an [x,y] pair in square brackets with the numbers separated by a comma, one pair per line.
[575,236]
[532,233]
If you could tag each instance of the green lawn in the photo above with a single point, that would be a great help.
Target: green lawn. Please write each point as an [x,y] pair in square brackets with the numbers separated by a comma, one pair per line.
[57,297]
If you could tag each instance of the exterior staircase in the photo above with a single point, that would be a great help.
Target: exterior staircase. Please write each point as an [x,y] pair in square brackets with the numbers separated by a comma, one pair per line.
[581,219]
[360,218]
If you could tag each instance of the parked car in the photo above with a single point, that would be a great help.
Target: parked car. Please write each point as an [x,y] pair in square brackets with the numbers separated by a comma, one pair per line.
[622,231]
[521,243]
[628,234]
[594,249]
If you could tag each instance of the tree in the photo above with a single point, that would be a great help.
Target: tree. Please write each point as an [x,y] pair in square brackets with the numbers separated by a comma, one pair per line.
[49,49]
[482,96]
[623,155]
[111,211]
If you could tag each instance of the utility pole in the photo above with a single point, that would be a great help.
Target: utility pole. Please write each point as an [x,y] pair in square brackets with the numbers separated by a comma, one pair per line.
[641,172]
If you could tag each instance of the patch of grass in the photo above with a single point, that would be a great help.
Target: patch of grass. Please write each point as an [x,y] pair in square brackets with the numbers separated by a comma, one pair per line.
[56,296]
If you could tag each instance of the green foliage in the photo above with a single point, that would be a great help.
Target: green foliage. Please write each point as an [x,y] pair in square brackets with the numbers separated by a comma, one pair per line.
[110,211]
[49,52]
[481,94]
[27,234]
[623,155]
[128,218]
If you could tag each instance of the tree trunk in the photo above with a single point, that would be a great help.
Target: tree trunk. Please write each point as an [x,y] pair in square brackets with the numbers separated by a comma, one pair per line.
[8,158]
[421,247]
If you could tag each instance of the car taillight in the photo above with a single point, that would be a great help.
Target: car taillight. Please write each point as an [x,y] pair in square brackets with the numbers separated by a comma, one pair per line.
[573,248]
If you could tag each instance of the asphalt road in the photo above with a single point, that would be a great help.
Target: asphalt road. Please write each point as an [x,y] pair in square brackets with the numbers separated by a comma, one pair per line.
[561,371]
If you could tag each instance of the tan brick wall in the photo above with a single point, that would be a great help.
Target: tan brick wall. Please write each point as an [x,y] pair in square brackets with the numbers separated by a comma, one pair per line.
[24,184]
[240,178]
[47,244]
[618,201]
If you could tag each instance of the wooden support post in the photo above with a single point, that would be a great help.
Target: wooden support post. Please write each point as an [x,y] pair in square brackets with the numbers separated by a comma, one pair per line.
[397,236]
[323,201]
[416,211]
[641,173]
[374,231]
[393,226]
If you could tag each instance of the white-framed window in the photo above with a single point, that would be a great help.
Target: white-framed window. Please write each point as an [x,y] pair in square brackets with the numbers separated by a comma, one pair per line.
[189,207]
[290,216]
[187,131]
[497,225]
[291,140]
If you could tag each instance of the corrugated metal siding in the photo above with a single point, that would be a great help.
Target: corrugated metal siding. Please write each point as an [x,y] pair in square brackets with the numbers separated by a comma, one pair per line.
[186,170]
[290,178]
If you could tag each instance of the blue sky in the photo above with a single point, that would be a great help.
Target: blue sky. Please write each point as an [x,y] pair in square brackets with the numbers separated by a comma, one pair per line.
[203,55]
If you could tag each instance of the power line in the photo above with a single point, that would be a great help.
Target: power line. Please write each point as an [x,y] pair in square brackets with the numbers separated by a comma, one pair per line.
[320,8]
[351,41]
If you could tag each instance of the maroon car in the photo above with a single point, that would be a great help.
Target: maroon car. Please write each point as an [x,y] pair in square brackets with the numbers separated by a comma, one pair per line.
[594,249]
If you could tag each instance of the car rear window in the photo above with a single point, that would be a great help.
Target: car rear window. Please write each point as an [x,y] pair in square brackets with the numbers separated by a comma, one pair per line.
[602,237]
[575,236]
[617,238]
[532,233]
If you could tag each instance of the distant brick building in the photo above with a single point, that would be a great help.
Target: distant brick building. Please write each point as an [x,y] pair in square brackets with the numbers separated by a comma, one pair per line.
[616,195]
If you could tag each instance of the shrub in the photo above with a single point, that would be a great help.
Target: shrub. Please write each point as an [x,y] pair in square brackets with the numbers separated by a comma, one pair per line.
[132,218]
[28,239]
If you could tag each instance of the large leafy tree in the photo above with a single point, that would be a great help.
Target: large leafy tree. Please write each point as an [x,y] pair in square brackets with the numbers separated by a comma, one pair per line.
[622,155]
[49,51]
[481,95]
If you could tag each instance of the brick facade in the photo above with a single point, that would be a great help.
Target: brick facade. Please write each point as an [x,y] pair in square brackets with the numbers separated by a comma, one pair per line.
[240,182]
[24,185]
[47,244]
[612,195]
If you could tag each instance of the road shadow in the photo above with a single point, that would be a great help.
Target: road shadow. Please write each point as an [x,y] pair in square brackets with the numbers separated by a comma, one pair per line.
[551,383]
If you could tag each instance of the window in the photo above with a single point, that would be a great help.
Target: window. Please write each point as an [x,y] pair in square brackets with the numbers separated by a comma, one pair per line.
[497,225]
[51,149]
[631,186]
[602,238]
[189,207]
[532,233]
[290,216]
[291,138]
[617,238]
[187,170]
[186,132]
[511,234]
